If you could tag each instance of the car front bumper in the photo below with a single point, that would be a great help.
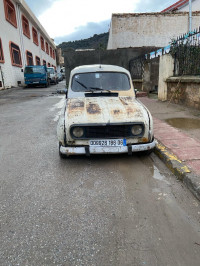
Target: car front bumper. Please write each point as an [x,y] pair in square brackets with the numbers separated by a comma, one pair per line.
[106,150]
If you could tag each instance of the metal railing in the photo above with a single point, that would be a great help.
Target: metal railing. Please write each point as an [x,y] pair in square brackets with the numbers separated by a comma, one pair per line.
[186,52]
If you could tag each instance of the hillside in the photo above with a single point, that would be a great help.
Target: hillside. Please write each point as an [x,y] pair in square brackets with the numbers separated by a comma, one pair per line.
[98,40]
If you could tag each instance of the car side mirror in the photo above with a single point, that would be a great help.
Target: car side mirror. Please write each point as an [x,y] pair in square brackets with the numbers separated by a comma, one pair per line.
[135,92]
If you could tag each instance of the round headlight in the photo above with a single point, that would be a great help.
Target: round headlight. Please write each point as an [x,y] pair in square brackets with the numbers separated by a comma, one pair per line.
[78,132]
[136,130]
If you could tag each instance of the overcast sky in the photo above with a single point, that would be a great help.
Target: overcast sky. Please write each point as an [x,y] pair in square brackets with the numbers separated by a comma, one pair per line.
[69,20]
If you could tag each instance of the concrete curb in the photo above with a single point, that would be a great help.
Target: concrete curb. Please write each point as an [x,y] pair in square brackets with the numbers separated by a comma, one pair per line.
[182,172]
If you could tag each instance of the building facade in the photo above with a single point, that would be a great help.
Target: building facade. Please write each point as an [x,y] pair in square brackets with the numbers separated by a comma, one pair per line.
[183,5]
[23,41]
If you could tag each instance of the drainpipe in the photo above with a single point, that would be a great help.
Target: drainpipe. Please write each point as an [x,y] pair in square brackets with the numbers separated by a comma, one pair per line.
[190,15]
[19,23]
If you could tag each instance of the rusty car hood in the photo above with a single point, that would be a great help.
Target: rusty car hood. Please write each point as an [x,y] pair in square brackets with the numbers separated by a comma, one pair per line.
[104,110]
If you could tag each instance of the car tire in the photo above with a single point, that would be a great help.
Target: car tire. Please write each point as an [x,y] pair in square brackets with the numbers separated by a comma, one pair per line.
[62,156]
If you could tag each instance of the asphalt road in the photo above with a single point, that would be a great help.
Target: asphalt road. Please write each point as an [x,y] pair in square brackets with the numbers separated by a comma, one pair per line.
[102,210]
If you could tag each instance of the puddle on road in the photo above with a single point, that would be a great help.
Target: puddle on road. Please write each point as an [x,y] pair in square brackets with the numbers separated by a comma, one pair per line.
[184,123]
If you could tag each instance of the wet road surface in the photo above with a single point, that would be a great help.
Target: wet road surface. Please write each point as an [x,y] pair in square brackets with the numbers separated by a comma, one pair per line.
[102,210]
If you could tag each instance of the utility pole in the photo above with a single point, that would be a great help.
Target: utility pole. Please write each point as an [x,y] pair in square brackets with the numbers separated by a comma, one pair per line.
[190,15]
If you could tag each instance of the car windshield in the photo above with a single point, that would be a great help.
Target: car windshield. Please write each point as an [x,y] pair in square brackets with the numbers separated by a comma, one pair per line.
[50,70]
[35,70]
[112,81]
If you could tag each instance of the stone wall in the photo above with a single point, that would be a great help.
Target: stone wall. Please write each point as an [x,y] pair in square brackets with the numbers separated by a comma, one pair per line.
[184,90]
[148,29]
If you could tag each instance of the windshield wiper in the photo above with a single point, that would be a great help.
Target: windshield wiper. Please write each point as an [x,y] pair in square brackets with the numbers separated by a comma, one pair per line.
[83,85]
[91,89]
[99,89]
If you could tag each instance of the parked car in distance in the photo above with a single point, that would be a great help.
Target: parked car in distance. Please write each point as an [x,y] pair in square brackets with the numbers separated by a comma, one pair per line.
[53,75]
[60,76]
[102,115]
[36,75]
[62,70]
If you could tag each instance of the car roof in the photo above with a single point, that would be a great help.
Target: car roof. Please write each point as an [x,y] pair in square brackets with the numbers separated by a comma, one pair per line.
[98,68]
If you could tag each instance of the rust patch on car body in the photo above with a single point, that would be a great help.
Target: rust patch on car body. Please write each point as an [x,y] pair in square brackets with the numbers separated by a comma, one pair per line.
[76,106]
[144,140]
[93,108]
[116,112]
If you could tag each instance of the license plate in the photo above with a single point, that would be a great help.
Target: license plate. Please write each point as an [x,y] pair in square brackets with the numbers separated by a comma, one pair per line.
[108,142]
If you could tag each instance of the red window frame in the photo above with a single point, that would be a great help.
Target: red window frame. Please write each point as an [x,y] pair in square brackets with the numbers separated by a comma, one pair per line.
[12,50]
[1,53]
[42,43]
[37,60]
[25,27]
[29,56]
[44,62]
[35,36]
[51,52]
[54,54]
[47,47]
[10,13]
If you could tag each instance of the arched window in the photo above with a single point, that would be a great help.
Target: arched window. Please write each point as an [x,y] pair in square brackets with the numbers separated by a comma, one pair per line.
[10,13]
[47,48]
[35,35]
[1,53]
[51,54]
[37,61]
[25,26]
[29,58]
[15,55]
[42,43]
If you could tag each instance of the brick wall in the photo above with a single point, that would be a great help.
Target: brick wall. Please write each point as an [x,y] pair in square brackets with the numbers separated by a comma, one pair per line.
[186,92]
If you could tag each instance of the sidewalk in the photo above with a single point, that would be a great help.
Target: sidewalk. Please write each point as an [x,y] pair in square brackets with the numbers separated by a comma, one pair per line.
[178,145]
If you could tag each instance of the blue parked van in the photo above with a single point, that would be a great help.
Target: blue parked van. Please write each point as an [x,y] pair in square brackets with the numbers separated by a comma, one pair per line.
[36,75]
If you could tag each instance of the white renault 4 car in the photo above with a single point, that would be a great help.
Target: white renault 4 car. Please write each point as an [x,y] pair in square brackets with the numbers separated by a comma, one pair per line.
[102,115]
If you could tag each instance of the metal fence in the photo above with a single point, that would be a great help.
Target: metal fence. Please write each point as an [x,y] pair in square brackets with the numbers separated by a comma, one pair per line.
[186,52]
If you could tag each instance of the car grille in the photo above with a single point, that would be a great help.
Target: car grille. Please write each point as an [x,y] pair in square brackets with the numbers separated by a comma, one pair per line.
[35,80]
[114,131]
[106,131]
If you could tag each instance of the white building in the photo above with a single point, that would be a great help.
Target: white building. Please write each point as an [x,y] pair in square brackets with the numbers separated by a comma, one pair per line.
[152,29]
[23,41]
[183,5]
